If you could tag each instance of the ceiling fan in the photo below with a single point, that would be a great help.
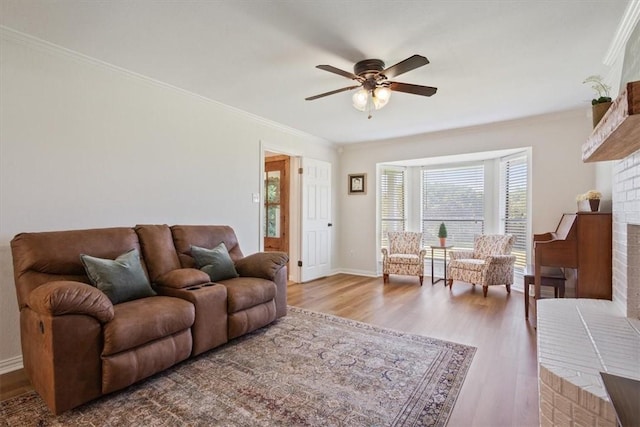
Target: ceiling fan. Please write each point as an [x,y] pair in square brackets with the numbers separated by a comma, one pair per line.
[373,81]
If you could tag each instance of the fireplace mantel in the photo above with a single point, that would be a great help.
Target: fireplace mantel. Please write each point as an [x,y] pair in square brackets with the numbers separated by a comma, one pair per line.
[618,133]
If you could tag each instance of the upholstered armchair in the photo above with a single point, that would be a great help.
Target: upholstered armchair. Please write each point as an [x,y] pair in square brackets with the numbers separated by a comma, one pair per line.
[489,263]
[405,255]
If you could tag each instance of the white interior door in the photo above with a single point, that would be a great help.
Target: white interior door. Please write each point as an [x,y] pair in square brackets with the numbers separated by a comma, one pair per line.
[316,219]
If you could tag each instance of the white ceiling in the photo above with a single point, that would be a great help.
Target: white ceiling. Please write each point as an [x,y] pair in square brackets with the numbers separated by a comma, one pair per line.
[491,60]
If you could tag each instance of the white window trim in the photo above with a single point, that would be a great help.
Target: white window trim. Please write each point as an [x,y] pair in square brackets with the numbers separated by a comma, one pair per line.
[380,167]
[501,220]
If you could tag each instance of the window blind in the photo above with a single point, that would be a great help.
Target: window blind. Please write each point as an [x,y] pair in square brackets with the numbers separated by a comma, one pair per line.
[514,171]
[393,216]
[455,196]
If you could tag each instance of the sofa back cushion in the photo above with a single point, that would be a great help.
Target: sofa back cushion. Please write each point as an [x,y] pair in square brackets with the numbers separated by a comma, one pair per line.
[204,236]
[43,257]
[158,251]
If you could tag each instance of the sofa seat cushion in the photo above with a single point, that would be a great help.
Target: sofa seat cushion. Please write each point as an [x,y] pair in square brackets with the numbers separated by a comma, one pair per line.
[247,292]
[144,320]
[468,264]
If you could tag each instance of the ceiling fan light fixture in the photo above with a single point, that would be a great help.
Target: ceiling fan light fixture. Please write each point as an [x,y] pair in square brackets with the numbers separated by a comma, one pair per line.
[381,96]
[374,86]
[368,100]
[360,99]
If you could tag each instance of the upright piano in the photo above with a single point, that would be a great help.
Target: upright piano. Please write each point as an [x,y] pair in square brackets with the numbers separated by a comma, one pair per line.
[582,241]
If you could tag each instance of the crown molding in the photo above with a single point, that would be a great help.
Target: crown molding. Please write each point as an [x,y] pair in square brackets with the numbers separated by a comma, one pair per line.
[627,23]
[35,42]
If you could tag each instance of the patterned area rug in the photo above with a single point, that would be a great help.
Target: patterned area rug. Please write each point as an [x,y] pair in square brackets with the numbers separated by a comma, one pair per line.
[305,369]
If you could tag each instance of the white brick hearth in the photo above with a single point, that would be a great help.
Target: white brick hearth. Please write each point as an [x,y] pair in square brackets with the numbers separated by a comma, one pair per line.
[578,339]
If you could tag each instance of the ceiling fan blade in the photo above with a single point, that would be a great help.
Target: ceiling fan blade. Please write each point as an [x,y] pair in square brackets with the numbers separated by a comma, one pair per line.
[339,72]
[344,89]
[413,89]
[402,67]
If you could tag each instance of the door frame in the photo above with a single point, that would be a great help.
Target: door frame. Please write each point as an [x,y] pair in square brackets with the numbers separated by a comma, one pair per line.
[295,205]
[281,163]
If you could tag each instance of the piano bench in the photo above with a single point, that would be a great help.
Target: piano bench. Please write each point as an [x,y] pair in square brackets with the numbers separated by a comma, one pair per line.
[549,277]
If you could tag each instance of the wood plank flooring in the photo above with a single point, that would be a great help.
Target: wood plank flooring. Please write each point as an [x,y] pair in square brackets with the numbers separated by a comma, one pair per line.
[13,384]
[501,386]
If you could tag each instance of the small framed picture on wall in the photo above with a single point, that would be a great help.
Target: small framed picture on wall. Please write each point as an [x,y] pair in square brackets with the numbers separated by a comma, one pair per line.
[358,183]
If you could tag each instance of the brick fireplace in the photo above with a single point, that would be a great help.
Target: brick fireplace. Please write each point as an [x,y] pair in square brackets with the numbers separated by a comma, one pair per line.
[580,338]
[626,235]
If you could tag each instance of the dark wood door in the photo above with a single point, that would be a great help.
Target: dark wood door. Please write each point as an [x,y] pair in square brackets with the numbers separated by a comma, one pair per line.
[276,204]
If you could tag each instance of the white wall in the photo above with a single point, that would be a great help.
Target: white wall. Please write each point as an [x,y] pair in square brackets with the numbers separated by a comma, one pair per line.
[84,144]
[558,174]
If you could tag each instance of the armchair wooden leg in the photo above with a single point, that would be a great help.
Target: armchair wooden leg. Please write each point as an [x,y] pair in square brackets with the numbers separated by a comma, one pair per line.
[450,283]
[485,289]
[385,278]
[508,289]
[421,278]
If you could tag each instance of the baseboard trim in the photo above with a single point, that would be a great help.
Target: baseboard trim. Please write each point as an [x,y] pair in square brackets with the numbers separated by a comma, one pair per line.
[355,272]
[10,365]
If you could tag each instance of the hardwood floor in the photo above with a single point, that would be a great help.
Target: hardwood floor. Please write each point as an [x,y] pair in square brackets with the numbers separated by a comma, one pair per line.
[501,386]
[13,384]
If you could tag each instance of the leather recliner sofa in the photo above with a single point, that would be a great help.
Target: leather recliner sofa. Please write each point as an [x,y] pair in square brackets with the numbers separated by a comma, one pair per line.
[77,345]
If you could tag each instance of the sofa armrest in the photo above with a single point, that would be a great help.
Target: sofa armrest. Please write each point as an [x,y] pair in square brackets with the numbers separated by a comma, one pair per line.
[68,297]
[460,255]
[182,278]
[500,259]
[264,265]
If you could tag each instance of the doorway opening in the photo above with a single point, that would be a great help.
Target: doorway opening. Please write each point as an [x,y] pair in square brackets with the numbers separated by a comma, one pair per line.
[280,205]
[303,228]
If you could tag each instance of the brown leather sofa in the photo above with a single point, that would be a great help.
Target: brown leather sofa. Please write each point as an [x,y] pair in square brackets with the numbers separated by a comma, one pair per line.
[77,345]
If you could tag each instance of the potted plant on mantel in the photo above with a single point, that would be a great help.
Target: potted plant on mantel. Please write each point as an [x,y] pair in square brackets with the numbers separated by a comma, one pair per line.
[442,234]
[602,102]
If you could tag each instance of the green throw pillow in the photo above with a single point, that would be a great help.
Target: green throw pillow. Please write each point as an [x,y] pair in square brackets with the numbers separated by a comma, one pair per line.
[122,279]
[215,262]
